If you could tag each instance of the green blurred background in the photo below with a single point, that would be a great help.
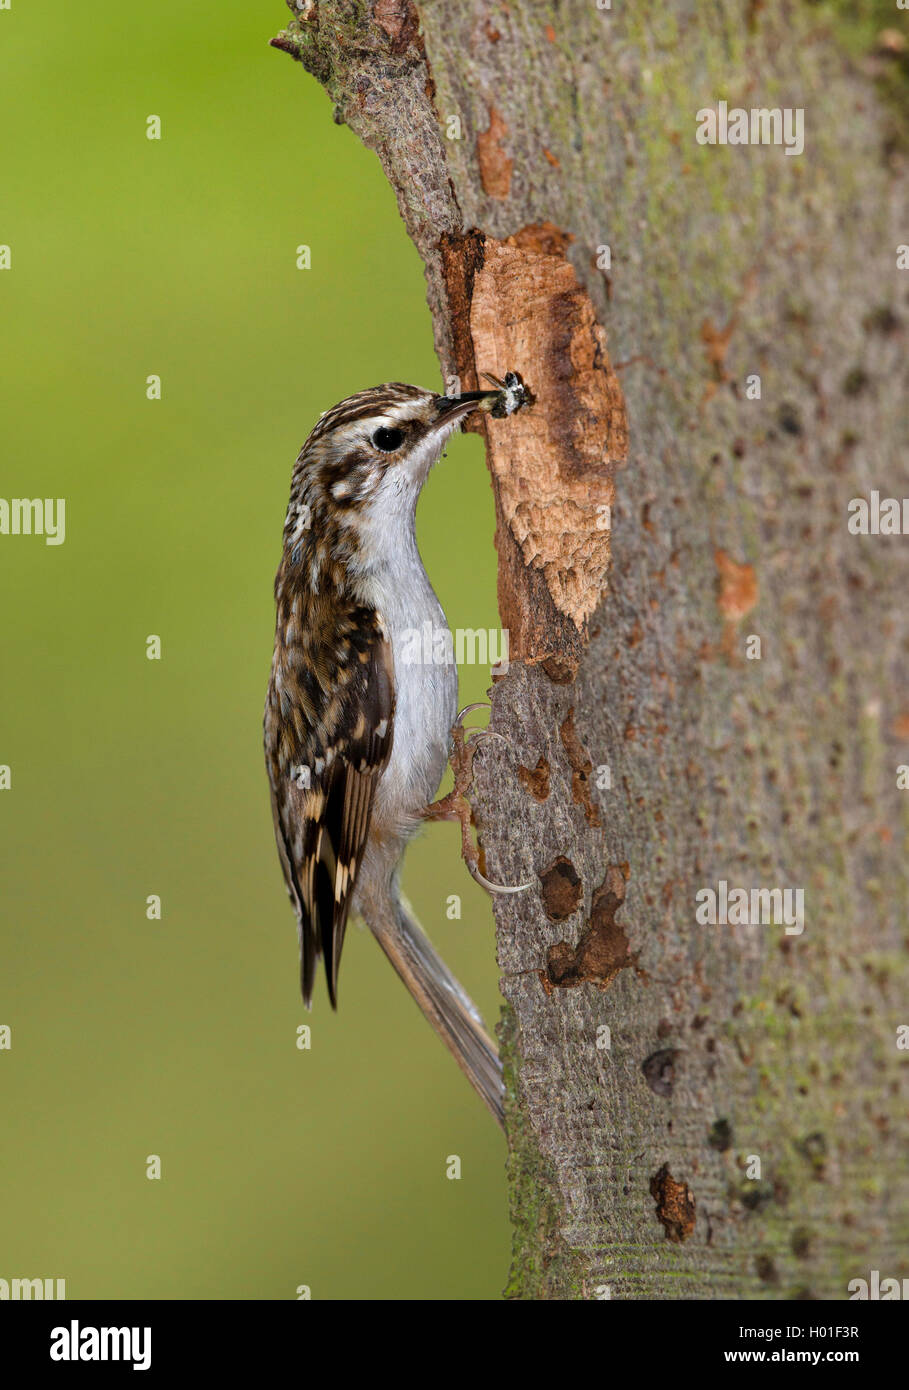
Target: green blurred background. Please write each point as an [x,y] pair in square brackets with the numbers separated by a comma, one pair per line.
[131,1037]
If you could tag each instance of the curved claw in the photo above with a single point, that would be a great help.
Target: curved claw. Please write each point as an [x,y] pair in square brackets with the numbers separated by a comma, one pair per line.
[456,808]
[477,704]
[495,887]
[476,735]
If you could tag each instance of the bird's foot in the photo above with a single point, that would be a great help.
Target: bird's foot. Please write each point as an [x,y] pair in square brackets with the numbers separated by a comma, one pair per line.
[455,805]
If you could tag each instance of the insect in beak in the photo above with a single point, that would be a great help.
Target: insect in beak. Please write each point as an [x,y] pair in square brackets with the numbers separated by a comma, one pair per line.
[509,396]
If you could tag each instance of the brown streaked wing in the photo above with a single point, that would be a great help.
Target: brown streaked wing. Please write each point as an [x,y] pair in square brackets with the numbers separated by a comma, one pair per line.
[322,829]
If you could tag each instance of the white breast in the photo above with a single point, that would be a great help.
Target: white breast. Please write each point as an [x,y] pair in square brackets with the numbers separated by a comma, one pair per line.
[426,687]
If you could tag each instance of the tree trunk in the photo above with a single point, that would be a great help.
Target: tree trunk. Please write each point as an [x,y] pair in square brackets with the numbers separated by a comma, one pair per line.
[708,669]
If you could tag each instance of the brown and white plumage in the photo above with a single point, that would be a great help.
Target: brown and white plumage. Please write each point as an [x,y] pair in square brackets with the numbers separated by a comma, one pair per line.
[356,737]
[343,736]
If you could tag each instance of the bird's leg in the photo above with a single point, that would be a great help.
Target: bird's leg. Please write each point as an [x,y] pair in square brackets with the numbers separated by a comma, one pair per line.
[455,805]
[463,747]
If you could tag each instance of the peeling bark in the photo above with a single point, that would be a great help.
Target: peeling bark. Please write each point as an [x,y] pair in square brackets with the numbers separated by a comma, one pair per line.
[651,1060]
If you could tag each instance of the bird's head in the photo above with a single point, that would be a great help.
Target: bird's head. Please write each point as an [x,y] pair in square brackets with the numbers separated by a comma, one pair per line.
[361,470]
[376,448]
[363,465]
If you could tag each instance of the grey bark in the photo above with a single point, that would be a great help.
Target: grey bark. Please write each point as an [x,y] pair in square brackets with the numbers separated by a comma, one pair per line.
[628,1163]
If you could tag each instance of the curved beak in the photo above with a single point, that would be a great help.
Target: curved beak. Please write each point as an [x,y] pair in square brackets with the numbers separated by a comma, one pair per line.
[453,408]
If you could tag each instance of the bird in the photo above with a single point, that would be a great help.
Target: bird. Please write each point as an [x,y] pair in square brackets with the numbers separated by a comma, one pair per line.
[357,734]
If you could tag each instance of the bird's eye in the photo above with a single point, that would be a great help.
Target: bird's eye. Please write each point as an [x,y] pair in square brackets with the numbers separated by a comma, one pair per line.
[387,439]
